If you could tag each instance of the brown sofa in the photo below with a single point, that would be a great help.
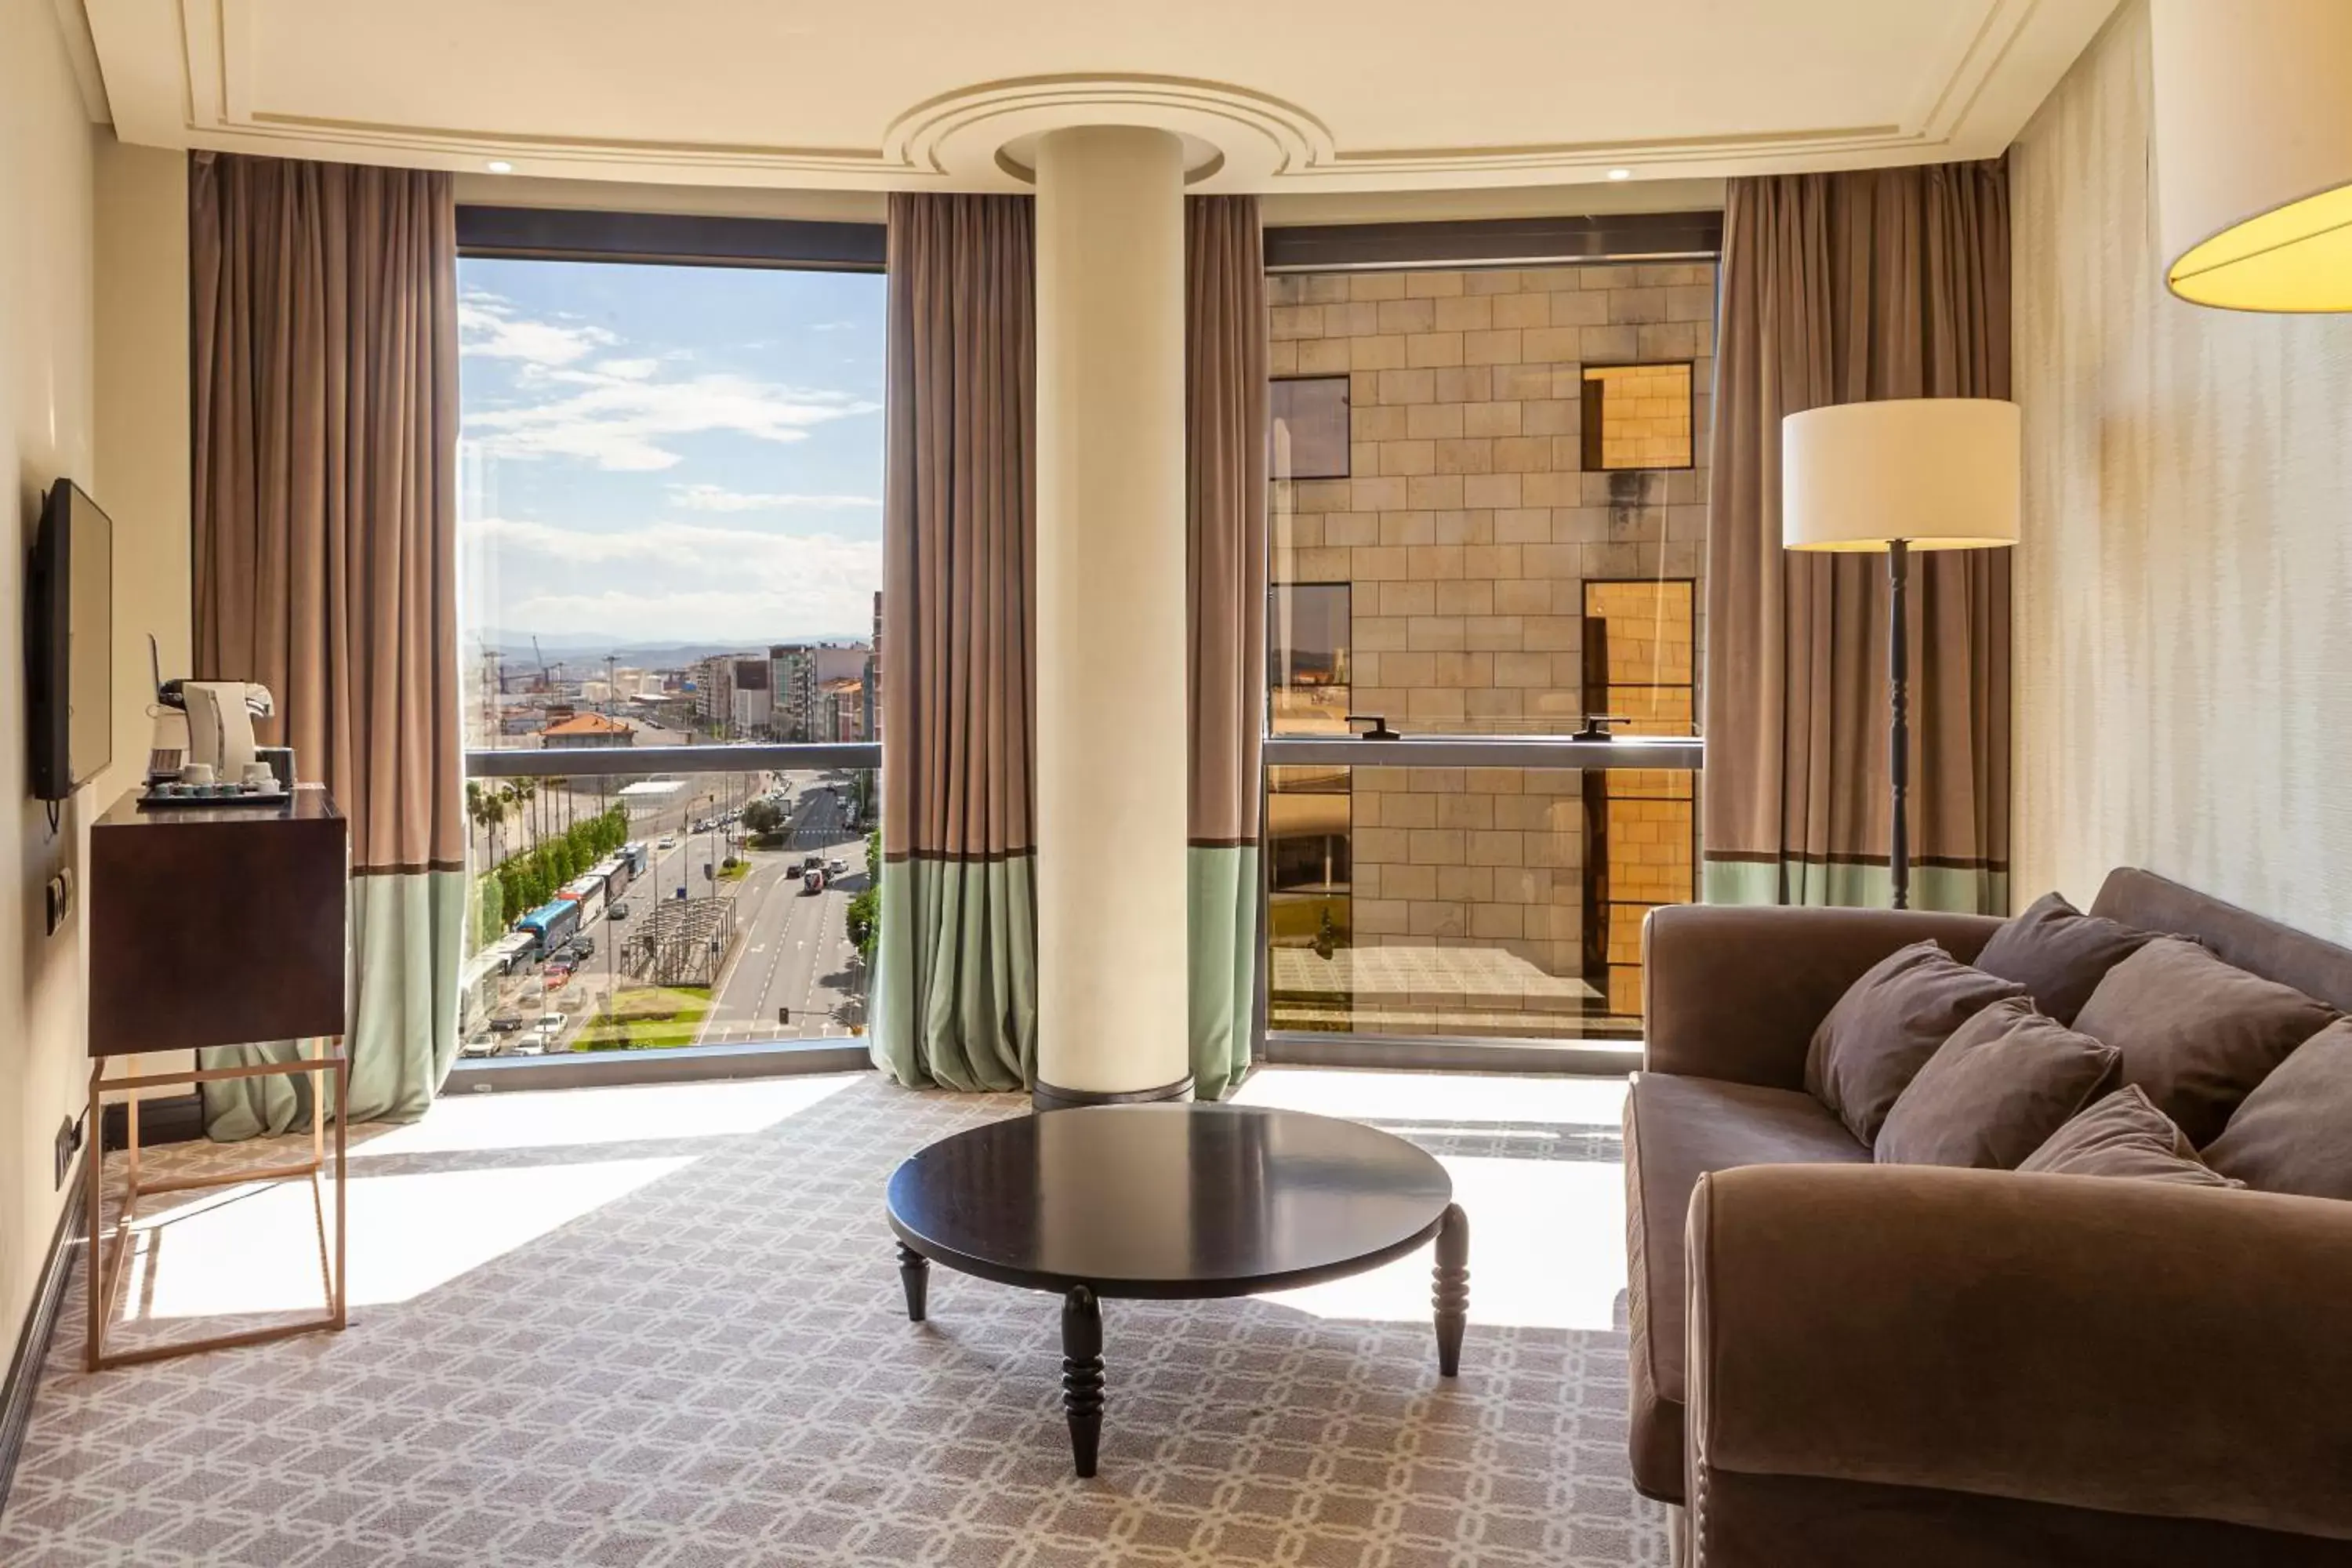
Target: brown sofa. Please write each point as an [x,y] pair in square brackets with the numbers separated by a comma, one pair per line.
[1834,1362]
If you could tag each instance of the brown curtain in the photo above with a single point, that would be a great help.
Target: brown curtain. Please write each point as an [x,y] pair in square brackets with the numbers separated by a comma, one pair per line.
[956,978]
[1225,463]
[1838,288]
[323,299]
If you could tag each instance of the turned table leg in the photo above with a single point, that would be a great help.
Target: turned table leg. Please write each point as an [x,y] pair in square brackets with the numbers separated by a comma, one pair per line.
[1082,1374]
[915,1274]
[1452,1295]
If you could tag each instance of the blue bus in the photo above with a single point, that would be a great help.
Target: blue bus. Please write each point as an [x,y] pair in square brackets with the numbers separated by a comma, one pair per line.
[551,925]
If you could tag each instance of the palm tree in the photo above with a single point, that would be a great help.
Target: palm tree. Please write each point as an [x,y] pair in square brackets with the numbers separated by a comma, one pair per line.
[518,793]
[487,808]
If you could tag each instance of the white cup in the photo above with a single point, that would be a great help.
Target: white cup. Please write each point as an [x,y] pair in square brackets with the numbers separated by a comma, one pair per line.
[196,773]
[258,776]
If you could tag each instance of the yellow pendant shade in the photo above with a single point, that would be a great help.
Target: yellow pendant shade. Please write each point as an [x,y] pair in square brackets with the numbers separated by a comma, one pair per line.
[2254,152]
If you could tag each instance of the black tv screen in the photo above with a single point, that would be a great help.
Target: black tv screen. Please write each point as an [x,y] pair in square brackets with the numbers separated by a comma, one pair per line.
[70,639]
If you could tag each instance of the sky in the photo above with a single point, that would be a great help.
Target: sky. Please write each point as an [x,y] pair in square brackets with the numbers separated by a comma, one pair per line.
[668,454]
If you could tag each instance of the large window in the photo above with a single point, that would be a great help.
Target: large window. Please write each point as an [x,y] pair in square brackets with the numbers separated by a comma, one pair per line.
[670,538]
[1514,550]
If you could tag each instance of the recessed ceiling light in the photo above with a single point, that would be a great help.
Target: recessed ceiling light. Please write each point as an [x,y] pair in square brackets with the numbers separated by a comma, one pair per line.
[501,166]
[1621,174]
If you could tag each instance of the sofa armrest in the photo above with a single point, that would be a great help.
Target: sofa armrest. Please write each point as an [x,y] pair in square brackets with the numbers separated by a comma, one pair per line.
[1735,991]
[2131,1346]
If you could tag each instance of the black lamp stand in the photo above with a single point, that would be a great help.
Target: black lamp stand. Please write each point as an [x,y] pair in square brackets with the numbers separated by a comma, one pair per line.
[1898,690]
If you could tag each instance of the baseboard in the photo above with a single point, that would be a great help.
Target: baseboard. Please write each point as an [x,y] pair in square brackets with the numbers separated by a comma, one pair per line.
[163,1118]
[33,1342]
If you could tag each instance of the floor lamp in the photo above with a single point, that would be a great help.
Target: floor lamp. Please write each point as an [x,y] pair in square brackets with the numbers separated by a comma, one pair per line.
[1915,473]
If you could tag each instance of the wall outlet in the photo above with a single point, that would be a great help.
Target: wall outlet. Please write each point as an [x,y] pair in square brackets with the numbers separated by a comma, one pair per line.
[68,1145]
[60,898]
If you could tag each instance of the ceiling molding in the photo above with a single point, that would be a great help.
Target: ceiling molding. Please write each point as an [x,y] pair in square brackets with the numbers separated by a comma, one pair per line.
[190,73]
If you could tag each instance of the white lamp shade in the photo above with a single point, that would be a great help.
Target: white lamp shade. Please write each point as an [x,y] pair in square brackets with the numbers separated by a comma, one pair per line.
[1938,473]
[2254,152]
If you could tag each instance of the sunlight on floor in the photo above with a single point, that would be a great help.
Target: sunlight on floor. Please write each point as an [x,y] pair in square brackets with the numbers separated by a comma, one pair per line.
[1547,1236]
[254,1249]
[1458,1098]
[1547,1233]
[570,1118]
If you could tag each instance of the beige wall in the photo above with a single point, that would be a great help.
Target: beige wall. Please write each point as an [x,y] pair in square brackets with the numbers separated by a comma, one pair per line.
[141,342]
[93,385]
[2184,620]
[46,428]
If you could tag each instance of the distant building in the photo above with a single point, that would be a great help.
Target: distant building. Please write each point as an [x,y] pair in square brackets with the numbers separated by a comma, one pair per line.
[874,676]
[798,676]
[583,730]
[842,709]
[754,708]
[714,691]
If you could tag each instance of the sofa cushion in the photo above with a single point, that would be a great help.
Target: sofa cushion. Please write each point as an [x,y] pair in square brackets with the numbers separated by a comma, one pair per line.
[1677,1129]
[2059,954]
[1887,1024]
[1996,1090]
[2196,1033]
[2293,1133]
[2125,1135]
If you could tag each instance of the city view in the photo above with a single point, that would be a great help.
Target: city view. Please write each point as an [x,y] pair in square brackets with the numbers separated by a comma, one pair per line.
[670,529]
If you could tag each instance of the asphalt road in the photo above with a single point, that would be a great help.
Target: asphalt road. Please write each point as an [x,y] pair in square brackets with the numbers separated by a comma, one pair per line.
[792,947]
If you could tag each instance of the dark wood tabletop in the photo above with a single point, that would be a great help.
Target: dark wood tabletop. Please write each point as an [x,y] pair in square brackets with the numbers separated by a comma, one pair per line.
[1168,1202]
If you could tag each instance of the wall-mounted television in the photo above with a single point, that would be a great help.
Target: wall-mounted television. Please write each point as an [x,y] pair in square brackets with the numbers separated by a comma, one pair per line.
[69,644]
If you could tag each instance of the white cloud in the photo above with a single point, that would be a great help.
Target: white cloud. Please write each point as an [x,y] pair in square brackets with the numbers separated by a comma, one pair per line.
[487,328]
[718,498]
[833,326]
[624,423]
[667,580]
[621,413]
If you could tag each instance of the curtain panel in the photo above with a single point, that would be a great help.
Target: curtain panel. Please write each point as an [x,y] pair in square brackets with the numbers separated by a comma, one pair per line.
[955,995]
[324,332]
[1844,287]
[1225,491]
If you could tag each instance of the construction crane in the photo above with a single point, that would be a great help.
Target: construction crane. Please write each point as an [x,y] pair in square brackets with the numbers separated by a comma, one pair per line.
[548,673]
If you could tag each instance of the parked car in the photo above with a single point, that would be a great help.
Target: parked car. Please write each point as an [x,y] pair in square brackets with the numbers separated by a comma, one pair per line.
[482,1044]
[553,1022]
[835,867]
[505,1024]
[619,912]
[795,866]
[669,841]
[531,1045]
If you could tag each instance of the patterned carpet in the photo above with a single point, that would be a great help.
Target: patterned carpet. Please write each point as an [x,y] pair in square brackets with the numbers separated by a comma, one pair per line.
[662,1327]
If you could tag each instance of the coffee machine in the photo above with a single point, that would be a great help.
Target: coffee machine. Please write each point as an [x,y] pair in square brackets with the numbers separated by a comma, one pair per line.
[208,722]
[220,722]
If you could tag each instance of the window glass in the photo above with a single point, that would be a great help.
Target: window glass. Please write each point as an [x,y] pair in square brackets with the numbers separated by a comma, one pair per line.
[1637,417]
[1511,551]
[1469,521]
[670,534]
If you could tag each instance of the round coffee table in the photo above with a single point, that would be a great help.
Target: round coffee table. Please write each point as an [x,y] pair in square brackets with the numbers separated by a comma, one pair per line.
[1171,1202]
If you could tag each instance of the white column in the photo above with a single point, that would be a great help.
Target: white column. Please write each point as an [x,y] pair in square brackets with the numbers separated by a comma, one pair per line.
[1111,724]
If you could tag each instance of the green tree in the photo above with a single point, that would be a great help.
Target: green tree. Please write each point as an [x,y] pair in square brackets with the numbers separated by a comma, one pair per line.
[864,913]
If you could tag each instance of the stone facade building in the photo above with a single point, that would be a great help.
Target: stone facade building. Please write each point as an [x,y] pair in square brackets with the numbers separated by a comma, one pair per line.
[1501,573]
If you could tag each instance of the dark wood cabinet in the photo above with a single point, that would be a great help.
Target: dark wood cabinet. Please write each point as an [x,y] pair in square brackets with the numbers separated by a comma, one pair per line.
[217,926]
